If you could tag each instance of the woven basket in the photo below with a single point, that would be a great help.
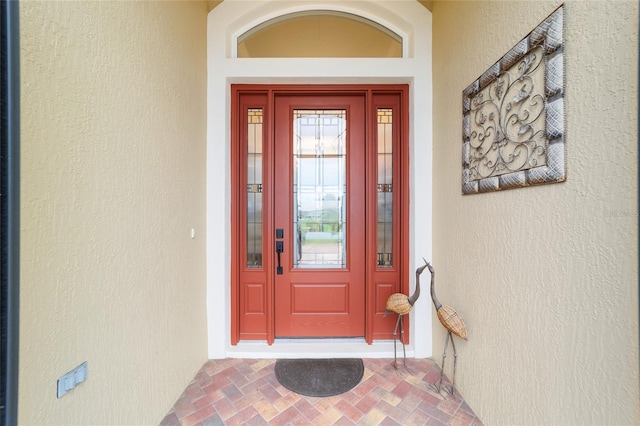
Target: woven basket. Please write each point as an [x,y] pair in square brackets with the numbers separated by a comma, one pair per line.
[399,304]
[452,321]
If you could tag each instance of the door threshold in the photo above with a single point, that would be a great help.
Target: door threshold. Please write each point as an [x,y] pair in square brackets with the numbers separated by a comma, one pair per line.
[316,348]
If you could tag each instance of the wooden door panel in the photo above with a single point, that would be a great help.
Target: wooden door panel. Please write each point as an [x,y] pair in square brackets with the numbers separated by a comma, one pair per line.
[251,260]
[311,300]
[319,298]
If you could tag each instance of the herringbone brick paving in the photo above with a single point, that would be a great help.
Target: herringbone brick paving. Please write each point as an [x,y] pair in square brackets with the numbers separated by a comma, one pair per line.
[246,392]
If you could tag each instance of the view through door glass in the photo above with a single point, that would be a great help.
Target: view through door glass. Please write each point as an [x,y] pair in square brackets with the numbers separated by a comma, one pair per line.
[319,188]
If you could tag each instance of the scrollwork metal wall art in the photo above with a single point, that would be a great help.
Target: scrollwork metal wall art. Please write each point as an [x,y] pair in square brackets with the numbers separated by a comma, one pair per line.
[513,115]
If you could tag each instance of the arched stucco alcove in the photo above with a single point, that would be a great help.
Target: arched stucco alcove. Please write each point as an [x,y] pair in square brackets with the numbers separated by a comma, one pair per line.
[227,22]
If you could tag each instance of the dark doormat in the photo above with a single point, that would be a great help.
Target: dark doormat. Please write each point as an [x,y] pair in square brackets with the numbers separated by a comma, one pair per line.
[319,377]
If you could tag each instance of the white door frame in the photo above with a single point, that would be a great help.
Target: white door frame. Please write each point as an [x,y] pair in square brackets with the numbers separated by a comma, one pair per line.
[226,23]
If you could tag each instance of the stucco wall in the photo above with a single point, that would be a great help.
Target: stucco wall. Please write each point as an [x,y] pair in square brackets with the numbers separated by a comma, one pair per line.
[113,181]
[545,277]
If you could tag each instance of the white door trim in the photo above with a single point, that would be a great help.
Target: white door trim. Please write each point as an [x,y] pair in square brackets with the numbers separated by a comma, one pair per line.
[225,23]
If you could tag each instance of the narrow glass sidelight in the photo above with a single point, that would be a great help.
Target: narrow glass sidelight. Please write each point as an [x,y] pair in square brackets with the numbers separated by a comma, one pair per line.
[319,188]
[385,187]
[254,188]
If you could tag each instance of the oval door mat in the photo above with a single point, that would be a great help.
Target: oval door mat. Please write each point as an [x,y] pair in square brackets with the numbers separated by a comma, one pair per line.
[319,377]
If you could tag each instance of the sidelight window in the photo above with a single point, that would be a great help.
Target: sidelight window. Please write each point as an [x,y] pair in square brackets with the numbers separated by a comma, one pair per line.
[385,187]
[254,188]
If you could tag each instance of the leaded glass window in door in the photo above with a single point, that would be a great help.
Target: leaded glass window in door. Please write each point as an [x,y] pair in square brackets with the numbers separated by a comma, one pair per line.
[254,188]
[319,188]
[385,187]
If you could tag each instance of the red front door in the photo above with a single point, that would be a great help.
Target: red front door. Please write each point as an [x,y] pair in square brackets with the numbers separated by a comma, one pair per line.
[319,210]
[320,216]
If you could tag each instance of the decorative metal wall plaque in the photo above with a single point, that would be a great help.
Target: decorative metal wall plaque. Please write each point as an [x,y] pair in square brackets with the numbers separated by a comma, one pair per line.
[513,115]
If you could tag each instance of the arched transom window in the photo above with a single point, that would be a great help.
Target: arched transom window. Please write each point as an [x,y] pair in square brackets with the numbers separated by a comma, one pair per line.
[319,34]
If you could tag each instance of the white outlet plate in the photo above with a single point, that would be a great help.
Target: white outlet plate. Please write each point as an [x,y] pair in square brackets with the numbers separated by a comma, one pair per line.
[72,379]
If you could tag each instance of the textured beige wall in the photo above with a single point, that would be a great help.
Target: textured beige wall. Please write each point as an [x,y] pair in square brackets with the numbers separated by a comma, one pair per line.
[113,180]
[545,277]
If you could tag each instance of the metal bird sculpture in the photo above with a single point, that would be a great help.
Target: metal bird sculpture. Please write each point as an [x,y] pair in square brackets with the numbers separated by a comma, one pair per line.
[402,305]
[453,323]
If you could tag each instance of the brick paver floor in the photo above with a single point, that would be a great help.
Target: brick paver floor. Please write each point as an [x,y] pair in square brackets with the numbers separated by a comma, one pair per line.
[246,392]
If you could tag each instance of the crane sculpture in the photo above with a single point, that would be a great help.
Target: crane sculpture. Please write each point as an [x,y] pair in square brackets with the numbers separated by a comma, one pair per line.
[453,323]
[402,305]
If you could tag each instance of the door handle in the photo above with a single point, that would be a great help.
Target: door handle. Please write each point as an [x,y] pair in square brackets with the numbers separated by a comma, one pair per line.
[279,249]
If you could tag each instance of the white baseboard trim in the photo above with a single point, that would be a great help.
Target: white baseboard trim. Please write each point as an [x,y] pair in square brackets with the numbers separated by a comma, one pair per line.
[316,348]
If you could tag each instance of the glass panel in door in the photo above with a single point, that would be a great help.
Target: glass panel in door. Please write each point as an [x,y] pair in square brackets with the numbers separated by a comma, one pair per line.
[385,187]
[254,188]
[319,188]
